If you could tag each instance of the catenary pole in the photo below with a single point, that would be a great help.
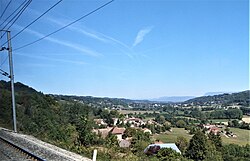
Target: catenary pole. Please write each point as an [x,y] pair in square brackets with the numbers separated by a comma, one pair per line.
[12,81]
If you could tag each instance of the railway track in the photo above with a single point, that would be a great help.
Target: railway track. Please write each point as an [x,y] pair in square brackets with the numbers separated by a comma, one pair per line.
[12,152]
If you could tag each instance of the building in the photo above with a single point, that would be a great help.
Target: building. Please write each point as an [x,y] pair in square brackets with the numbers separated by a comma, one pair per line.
[154,148]
[212,129]
[103,132]
[135,122]
[100,122]
[124,143]
[147,130]
[118,132]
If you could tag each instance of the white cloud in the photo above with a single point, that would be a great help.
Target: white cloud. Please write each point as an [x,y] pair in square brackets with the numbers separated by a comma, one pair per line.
[94,35]
[89,34]
[51,59]
[141,34]
[124,48]
[78,47]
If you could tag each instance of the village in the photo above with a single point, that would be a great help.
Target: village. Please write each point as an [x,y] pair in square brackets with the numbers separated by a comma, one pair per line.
[118,129]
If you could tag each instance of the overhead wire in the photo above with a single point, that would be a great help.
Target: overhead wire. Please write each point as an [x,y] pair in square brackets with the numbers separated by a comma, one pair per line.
[15,18]
[13,12]
[5,9]
[4,60]
[24,5]
[34,20]
[4,73]
[84,16]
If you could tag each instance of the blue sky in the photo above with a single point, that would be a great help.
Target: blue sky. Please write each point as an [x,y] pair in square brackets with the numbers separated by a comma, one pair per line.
[133,49]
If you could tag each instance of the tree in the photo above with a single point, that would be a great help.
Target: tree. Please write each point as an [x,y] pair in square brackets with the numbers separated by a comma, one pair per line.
[84,128]
[216,140]
[140,141]
[107,117]
[235,152]
[197,146]
[129,132]
[168,154]
[166,126]
[111,141]
[160,119]
[182,143]
[212,153]
[181,124]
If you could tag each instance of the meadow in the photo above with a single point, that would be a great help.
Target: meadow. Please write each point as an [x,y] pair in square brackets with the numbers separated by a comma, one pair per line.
[243,136]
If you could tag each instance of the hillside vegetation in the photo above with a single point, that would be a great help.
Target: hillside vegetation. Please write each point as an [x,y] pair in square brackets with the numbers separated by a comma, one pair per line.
[242,98]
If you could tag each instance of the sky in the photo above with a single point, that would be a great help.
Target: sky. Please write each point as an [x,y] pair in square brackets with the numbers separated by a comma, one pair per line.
[137,49]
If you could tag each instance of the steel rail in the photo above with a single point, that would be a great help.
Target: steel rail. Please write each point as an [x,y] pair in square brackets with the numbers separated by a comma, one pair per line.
[29,154]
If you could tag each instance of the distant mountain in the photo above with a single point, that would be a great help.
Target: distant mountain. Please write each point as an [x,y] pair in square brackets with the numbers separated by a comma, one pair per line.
[172,99]
[226,98]
[216,93]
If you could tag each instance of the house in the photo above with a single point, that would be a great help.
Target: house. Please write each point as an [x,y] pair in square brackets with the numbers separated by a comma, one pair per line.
[124,143]
[154,148]
[118,132]
[135,122]
[152,122]
[147,130]
[103,132]
[212,129]
[100,122]
[115,121]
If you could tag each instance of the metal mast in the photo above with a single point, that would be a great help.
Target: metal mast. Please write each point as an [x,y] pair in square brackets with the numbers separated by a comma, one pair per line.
[12,81]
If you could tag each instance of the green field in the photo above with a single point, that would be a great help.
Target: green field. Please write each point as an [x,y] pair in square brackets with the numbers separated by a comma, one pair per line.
[148,118]
[186,117]
[135,112]
[170,137]
[243,136]
[219,120]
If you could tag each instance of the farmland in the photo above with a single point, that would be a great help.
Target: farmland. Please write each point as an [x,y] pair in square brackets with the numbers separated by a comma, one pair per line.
[170,137]
[246,119]
[243,136]
[135,112]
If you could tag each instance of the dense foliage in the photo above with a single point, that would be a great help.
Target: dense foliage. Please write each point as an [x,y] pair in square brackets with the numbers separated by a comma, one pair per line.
[242,98]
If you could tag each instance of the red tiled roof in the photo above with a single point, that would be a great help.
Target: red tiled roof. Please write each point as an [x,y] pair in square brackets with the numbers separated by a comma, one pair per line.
[117,130]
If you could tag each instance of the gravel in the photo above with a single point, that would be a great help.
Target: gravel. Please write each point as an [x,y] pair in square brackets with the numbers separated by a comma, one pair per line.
[8,153]
[40,148]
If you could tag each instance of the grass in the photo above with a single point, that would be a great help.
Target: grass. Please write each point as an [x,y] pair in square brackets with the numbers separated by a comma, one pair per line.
[148,118]
[243,137]
[219,120]
[186,117]
[134,111]
[246,118]
[171,137]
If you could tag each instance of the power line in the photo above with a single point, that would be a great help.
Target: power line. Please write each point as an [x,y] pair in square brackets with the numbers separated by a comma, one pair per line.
[84,16]
[16,17]
[5,9]
[5,59]
[20,14]
[13,12]
[35,20]
[4,73]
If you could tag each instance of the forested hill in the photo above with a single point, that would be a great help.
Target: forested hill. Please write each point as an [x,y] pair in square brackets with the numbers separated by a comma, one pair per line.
[67,124]
[19,87]
[242,98]
[96,101]
[29,103]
